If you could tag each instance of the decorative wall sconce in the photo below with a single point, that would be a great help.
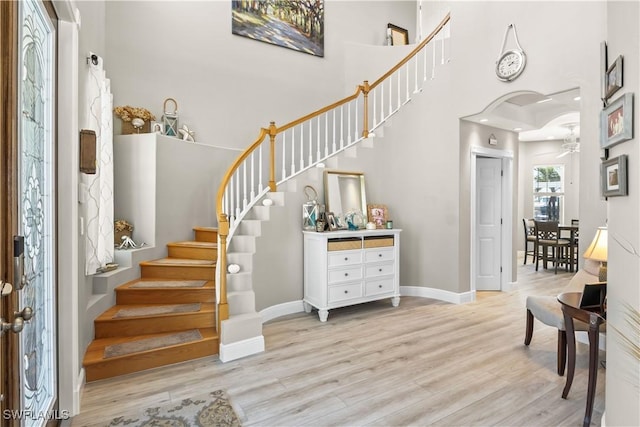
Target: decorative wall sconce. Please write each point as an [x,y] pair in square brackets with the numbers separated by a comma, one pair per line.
[493,140]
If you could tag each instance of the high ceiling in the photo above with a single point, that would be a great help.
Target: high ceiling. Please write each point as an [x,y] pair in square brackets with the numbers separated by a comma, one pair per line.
[535,116]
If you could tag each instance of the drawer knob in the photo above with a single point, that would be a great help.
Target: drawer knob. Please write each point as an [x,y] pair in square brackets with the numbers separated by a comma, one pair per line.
[346,274]
[380,269]
[346,258]
[380,255]
[346,292]
[380,286]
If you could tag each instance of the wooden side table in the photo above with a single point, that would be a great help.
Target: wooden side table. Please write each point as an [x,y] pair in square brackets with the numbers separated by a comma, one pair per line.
[570,302]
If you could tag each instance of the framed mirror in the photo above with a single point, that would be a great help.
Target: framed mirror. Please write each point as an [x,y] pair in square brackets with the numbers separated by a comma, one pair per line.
[344,192]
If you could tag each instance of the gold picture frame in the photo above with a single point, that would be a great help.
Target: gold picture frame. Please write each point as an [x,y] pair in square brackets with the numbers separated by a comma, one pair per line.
[378,214]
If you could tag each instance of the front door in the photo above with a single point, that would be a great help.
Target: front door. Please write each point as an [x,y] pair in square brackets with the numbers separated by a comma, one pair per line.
[28,241]
[488,223]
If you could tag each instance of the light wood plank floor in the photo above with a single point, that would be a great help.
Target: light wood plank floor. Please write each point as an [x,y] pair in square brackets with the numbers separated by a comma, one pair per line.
[423,363]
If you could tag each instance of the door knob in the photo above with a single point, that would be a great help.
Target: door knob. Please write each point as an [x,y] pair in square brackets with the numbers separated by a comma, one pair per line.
[15,327]
[26,313]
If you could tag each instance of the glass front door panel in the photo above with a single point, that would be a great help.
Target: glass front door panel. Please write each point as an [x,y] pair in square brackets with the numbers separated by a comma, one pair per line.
[36,130]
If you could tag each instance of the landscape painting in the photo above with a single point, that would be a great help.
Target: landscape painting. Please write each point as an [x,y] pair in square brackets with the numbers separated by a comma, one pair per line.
[294,24]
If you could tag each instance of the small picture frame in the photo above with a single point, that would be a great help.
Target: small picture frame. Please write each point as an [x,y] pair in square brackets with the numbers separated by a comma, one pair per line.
[613,78]
[616,122]
[378,214]
[331,221]
[399,35]
[613,176]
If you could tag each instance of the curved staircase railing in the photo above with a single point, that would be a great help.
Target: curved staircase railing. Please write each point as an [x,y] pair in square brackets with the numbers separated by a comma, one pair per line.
[313,138]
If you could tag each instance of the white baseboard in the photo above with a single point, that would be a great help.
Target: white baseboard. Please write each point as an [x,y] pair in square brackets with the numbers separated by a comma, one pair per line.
[439,294]
[294,307]
[280,310]
[244,348]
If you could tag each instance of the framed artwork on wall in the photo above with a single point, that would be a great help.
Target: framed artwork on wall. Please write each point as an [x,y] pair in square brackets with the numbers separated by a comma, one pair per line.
[616,121]
[613,77]
[294,24]
[613,176]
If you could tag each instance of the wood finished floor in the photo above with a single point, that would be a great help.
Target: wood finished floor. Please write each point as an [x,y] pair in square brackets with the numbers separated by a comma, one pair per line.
[423,363]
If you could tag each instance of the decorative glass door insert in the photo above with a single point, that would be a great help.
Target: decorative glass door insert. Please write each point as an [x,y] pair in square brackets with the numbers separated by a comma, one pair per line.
[37,207]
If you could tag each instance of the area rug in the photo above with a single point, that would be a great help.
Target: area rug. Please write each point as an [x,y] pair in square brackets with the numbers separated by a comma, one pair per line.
[156,310]
[169,284]
[151,343]
[208,410]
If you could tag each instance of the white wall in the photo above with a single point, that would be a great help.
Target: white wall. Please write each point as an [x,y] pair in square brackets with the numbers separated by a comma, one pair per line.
[228,86]
[623,371]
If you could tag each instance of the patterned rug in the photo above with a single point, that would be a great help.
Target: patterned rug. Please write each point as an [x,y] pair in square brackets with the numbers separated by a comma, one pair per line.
[156,310]
[169,284]
[208,410]
[151,343]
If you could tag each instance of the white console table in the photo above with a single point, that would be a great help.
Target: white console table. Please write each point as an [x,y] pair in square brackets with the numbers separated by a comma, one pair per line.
[350,267]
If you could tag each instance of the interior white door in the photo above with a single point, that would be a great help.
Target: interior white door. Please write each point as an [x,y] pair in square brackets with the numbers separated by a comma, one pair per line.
[488,224]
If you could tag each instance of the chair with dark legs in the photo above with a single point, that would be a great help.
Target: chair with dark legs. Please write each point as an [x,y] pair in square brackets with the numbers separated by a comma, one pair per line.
[547,310]
[530,238]
[549,238]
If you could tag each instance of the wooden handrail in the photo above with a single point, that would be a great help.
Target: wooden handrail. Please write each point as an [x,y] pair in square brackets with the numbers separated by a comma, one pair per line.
[272,132]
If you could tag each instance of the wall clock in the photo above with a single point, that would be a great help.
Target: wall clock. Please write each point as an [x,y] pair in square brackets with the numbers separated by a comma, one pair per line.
[510,63]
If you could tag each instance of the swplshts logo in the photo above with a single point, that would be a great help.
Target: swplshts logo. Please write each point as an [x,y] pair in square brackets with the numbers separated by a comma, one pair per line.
[22,414]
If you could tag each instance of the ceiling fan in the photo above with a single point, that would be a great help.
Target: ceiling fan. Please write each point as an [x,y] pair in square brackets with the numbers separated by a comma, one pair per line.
[570,144]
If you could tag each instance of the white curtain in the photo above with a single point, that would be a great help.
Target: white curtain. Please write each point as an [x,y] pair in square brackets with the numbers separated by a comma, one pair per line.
[98,188]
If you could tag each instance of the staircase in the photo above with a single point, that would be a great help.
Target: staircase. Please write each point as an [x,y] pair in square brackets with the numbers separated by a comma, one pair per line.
[166,316]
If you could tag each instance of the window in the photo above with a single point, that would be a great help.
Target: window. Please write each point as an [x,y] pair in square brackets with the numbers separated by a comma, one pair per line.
[548,193]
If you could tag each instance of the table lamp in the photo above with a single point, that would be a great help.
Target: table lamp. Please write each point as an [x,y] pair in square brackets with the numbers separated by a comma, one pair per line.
[597,251]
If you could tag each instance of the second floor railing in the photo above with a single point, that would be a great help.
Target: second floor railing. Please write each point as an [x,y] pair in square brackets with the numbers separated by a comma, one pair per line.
[283,152]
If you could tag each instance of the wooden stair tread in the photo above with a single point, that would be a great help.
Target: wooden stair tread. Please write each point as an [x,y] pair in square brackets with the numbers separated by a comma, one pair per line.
[187,261]
[95,351]
[209,284]
[109,313]
[180,262]
[194,243]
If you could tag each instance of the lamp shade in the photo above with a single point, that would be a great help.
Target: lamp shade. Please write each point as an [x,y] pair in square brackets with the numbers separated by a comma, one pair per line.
[597,250]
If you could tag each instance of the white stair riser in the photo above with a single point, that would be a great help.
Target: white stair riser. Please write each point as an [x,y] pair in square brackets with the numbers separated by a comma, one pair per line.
[241,302]
[243,244]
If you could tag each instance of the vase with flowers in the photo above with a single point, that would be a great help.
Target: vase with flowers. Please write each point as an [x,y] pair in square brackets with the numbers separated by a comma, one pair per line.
[134,119]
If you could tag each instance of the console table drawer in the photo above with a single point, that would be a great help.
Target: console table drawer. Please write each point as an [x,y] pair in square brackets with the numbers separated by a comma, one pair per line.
[379,270]
[382,286]
[345,292]
[379,254]
[337,259]
[345,274]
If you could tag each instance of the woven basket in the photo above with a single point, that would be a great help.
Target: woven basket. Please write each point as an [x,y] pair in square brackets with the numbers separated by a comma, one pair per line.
[128,129]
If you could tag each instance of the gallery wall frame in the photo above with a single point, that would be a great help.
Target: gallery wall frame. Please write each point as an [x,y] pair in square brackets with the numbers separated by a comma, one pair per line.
[613,176]
[613,78]
[616,122]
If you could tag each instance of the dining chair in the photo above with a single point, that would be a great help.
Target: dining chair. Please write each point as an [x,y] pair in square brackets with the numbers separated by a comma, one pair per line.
[530,237]
[548,236]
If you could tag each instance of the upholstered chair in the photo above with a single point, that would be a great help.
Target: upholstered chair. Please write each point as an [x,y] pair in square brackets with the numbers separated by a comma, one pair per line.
[547,310]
